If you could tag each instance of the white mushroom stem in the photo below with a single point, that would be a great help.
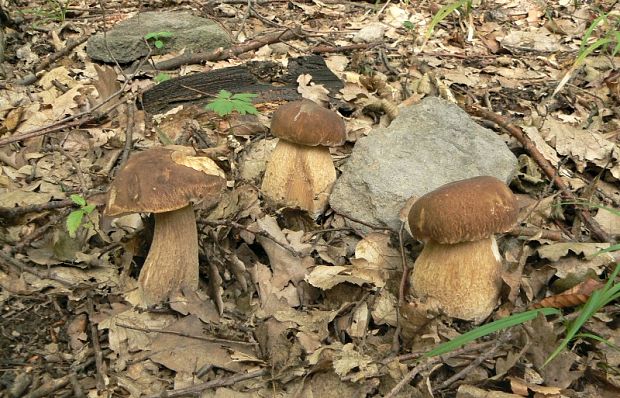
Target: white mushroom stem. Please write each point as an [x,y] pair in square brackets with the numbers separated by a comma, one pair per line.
[464,278]
[173,257]
[299,175]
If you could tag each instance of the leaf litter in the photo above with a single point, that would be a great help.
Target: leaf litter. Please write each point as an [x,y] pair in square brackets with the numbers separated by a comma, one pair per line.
[316,306]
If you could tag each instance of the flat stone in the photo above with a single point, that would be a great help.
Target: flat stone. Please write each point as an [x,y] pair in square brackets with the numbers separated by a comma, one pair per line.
[428,145]
[126,39]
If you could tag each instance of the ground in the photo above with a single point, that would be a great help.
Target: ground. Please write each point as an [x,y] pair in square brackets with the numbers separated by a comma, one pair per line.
[289,305]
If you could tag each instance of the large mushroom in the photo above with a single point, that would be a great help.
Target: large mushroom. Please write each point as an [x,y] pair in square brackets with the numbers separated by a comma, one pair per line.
[460,265]
[301,171]
[167,182]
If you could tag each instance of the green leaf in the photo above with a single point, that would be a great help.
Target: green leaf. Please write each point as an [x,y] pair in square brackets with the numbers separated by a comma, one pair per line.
[246,97]
[161,77]
[78,200]
[226,103]
[492,327]
[74,219]
[88,209]
[408,25]
[159,44]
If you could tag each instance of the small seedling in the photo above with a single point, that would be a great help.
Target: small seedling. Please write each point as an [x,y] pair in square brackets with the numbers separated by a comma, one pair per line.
[225,103]
[161,77]
[408,25]
[158,38]
[611,36]
[75,218]
[442,14]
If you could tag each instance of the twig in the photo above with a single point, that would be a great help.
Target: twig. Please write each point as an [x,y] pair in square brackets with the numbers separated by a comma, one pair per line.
[221,54]
[183,334]
[128,133]
[78,392]
[401,287]
[11,213]
[25,268]
[48,388]
[71,44]
[544,164]
[341,49]
[94,335]
[479,359]
[264,234]
[223,382]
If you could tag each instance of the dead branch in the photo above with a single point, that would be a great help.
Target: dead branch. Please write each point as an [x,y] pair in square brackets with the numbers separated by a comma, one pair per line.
[544,165]
[221,382]
[220,54]
[32,77]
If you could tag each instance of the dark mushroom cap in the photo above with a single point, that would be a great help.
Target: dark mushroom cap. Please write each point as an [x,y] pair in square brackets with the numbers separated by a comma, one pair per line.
[162,179]
[464,211]
[306,123]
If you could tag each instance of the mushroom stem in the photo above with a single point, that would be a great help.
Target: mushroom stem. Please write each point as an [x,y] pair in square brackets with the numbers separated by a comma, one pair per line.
[173,257]
[299,175]
[464,278]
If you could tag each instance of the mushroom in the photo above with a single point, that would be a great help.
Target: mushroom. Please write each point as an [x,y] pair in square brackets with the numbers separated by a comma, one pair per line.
[166,182]
[460,265]
[301,171]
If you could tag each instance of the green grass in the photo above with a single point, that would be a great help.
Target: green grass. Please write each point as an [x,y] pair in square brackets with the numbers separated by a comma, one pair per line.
[442,14]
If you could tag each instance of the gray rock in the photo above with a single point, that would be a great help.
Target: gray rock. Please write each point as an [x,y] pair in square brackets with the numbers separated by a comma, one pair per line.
[429,144]
[126,39]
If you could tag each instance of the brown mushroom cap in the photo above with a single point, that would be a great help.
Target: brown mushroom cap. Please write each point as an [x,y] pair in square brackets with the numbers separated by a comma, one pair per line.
[162,179]
[464,211]
[306,123]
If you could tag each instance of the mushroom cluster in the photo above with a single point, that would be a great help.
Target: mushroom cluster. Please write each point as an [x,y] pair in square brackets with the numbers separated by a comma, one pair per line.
[460,265]
[301,171]
[167,182]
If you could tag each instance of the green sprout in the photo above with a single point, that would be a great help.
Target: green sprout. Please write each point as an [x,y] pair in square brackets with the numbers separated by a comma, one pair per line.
[161,77]
[442,14]
[225,103]
[611,36]
[76,217]
[158,38]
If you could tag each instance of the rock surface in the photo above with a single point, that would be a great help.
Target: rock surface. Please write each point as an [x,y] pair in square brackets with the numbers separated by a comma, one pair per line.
[429,144]
[126,39]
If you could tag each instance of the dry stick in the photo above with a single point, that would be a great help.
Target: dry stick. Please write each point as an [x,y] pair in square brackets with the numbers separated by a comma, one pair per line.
[183,334]
[476,362]
[221,54]
[401,287]
[94,335]
[14,212]
[340,49]
[224,382]
[544,164]
[25,268]
[39,232]
[48,388]
[68,122]
[71,44]
[128,134]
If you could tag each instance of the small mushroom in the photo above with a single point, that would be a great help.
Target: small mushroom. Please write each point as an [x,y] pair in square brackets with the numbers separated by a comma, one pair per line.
[460,265]
[167,182]
[301,171]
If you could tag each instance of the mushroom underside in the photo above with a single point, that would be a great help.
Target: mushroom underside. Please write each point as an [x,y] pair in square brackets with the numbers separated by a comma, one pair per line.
[172,260]
[299,176]
[464,278]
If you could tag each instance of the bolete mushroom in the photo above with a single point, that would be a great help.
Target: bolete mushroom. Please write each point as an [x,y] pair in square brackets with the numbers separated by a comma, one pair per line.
[167,182]
[301,171]
[460,265]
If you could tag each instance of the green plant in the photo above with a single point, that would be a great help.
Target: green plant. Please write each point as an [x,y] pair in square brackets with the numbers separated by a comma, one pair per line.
[161,77]
[75,218]
[158,38]
[598,299]
[442,14]
[225,103]
[492,327]
[408,25]
[51,10]
[611,35]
